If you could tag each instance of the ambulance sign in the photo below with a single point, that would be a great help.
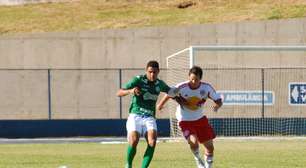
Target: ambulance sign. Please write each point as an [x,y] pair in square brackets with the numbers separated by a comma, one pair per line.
[246,97]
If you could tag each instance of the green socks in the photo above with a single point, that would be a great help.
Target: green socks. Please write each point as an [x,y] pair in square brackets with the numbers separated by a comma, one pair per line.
[147,156]
[130,156]
[131,152]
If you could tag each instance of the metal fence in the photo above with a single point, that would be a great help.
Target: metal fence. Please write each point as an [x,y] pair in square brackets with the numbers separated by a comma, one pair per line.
[91,93]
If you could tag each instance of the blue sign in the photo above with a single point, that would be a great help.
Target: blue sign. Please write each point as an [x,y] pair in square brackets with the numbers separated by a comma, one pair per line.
[297,93]
[247,97]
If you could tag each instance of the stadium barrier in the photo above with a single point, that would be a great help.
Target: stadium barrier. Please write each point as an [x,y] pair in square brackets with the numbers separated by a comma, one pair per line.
[83,102]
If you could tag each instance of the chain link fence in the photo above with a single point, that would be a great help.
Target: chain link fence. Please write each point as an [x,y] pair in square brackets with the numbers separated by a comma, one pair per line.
[91,93]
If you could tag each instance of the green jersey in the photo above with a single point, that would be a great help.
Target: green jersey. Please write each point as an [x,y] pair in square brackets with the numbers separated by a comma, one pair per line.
[145,103]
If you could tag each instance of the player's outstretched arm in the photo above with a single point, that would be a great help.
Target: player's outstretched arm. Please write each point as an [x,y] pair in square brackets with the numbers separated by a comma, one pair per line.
[162,103]
[181,100]
[173,92]
[124,92]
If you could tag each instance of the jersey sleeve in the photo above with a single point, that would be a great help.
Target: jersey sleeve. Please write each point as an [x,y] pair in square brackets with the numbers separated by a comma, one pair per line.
[164,87]
[174,91]
[132,83]
[213,94]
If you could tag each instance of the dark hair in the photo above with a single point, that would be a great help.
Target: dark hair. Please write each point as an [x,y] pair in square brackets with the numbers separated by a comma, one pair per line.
[153,64]
[197,71]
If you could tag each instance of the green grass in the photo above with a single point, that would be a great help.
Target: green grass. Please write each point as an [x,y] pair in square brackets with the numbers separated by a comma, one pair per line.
[102,14]
[229,153]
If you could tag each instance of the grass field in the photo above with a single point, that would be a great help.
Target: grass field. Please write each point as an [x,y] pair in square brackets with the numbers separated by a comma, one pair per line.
[100,14]
[229,154]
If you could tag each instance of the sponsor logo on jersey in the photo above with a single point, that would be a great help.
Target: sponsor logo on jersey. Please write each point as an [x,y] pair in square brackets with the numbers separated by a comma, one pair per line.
[149,96]
[157,89]
[193,103]
[146,111]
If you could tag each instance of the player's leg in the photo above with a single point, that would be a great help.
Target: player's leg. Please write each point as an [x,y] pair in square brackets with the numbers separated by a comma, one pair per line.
[209,153]
[194,147]
[133,139]
[134,131]
[206,135]
[151,137]
[190,133]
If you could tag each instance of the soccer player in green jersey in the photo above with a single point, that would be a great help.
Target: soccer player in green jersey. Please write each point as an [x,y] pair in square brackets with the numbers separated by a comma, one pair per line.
[141,121]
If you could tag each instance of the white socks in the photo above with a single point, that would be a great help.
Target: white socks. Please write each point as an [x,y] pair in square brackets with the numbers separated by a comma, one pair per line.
[197,158]
[208,161]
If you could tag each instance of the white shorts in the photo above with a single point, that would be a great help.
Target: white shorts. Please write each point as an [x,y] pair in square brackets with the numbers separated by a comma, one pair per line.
[140,123]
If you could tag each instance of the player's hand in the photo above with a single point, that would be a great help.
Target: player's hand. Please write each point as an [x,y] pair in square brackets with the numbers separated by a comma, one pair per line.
[216,108]
[136,91]
[217,105]
[159,108]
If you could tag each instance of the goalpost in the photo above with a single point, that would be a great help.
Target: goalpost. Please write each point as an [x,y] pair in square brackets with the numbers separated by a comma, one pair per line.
[263,90]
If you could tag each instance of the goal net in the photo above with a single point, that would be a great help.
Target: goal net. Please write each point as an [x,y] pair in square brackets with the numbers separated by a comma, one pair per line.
[263,88]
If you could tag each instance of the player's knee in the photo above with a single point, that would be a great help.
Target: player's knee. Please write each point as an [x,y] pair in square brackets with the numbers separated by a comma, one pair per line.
[193,144]
[152,142]
[133,143]
[209,149]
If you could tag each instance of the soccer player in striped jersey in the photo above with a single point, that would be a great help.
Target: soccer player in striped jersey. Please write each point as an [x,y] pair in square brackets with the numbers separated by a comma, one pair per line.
[192,121]
[141,121]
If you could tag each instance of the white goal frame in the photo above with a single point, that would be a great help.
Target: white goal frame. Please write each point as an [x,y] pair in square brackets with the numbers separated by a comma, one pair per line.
[190,53]
[192,49]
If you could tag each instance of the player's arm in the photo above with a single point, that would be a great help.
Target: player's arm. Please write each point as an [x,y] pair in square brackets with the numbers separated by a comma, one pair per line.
[124,92]
[170,93]
[178,98]
[174,94]
[218,104]
[130,88]
[162,102]
[216,98]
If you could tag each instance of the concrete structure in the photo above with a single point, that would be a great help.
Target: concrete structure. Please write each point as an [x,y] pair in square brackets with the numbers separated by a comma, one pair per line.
[132,48]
